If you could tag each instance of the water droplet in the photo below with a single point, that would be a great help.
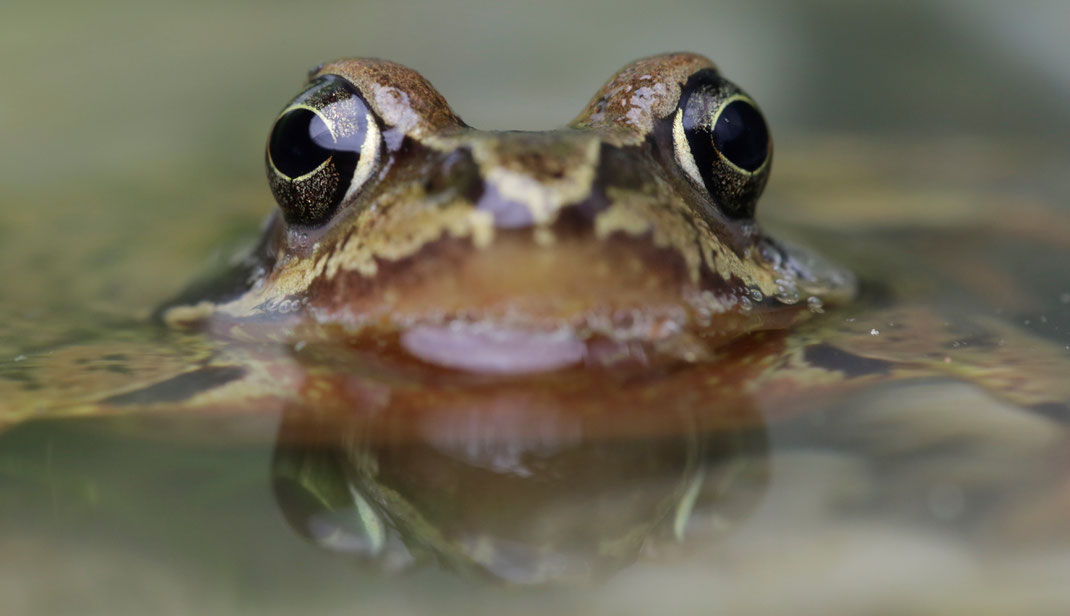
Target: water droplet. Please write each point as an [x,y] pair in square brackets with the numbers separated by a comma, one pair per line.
[771,255]
[874,332]
[787,292]
[815,304]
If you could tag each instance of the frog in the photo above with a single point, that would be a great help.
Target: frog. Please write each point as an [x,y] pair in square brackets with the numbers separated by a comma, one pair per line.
[610,277]
[509,251]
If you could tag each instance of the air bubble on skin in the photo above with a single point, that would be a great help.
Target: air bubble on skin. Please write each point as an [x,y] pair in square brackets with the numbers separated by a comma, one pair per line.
[772,255]
[815,304]
[745,304]
[756,295]
[256,278]
[288,305]
[787,292]
[302,240]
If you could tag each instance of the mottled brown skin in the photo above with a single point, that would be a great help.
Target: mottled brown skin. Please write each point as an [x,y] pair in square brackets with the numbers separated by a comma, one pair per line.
[630,104]
[594,230]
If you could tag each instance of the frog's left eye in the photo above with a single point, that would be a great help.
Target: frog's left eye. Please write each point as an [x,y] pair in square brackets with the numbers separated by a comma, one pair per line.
[722,142]
[322,149]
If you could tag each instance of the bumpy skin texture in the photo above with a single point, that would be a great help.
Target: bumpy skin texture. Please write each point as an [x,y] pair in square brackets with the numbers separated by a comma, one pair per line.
[593,231]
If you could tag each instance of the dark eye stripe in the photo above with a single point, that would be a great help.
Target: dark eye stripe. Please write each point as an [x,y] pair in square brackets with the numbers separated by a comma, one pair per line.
[701,144]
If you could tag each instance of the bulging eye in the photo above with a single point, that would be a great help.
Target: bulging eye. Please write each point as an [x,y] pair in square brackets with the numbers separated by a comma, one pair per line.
[740,135]
[722,142]
[322,149]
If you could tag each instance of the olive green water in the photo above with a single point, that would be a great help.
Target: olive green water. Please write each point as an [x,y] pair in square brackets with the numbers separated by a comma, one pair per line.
[132,160]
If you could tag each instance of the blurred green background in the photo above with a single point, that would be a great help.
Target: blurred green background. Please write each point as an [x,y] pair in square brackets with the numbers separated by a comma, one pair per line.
[133,131]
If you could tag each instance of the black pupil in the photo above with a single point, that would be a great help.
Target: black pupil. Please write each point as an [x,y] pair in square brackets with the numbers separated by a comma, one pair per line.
[300,142]
[741,136]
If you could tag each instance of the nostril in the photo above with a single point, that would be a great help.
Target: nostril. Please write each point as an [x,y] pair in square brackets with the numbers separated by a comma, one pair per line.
[457,172]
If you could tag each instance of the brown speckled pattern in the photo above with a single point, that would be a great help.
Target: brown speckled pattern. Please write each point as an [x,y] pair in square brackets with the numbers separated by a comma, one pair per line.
[594,229]
[400,96]
[638,95]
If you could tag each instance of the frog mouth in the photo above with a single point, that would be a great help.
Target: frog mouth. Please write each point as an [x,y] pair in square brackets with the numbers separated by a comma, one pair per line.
[476,347]
[520,304]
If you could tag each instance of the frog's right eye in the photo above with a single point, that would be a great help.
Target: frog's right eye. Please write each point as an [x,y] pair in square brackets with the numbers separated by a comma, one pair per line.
[322,150]
[722,143]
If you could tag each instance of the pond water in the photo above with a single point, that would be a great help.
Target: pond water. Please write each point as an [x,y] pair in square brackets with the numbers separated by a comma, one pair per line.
[919,467]
[929,476]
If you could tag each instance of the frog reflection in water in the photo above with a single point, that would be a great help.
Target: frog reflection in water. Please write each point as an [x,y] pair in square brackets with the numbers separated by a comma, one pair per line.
[522,486]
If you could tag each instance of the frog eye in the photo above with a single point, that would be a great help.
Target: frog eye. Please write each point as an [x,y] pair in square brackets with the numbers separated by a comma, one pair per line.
[722,143]
[322,149]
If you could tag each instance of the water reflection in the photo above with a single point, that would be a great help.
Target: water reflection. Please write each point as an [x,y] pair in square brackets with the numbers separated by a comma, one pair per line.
[560,478]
